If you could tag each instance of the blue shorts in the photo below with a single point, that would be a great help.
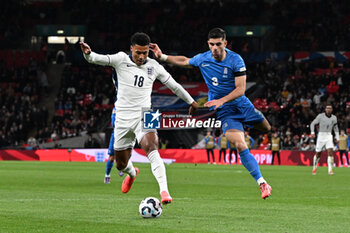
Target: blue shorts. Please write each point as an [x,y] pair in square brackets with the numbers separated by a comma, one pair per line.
[111,141]
[236,117]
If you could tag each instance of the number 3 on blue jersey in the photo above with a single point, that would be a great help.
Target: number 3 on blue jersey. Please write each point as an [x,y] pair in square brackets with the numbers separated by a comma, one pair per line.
[215,81]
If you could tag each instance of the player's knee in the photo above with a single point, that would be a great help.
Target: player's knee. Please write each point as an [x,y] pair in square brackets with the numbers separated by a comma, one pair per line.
[121,165]
[149,146]
[241,146]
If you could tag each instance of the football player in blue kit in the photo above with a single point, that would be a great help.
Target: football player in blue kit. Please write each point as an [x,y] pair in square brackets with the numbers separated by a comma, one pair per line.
[224,72]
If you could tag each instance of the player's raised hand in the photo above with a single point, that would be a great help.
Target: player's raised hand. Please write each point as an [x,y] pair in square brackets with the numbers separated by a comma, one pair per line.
[85,48]
[155,49]
[216,103]
[193,108]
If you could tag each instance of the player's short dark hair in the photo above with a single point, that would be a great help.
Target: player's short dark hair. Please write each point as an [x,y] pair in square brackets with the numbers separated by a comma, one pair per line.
[217,33]
[140,38]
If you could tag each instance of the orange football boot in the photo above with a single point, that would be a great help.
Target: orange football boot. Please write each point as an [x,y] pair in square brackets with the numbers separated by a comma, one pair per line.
[265,190]
[127,182]
[165,197]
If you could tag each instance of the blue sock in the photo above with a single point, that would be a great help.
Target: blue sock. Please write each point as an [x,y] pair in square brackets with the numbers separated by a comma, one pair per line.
[250,163]
[109,166]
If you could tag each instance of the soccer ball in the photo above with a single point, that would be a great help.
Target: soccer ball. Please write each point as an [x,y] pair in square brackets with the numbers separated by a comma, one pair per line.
[150,207]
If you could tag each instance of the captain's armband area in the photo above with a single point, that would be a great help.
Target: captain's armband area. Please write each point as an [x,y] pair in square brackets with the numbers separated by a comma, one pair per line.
[240,73]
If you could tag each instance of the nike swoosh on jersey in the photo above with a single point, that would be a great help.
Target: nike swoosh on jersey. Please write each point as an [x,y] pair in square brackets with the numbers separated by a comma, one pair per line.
[204,65]
[129,65]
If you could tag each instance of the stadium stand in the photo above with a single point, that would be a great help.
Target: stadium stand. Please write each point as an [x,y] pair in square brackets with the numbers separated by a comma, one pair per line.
[290,90]
[21,92]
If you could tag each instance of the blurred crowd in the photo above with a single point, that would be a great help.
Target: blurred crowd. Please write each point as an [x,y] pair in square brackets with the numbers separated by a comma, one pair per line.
[296,93]
[22,89]
[293,93]
[84,102]
[296,25]
[311,25]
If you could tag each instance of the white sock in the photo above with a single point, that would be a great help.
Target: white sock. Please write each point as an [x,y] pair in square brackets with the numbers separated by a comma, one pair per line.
[316,159]
[330,160]
[130,170]
[261,180]
[158,170]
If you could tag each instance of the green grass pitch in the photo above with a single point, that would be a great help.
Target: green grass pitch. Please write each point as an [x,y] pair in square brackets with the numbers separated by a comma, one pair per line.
[71,197]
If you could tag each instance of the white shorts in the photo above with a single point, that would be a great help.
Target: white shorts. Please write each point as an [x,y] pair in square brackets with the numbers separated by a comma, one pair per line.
[324,142]
[127,131]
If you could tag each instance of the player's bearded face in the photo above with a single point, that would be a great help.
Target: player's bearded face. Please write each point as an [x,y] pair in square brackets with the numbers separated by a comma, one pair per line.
[139,53]
[217,47]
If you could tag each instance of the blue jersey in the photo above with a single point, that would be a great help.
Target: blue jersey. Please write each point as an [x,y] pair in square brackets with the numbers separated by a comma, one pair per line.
[220,79]
[220,75]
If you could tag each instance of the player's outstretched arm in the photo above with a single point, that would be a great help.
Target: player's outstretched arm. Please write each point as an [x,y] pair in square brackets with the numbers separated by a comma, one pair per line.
[85,48]
[175,60]
[178,90]
[193,108]
[94,58]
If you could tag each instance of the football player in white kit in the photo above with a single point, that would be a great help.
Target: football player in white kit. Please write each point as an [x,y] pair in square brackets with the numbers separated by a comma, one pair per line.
[111,157]
[136,73]
[327,122]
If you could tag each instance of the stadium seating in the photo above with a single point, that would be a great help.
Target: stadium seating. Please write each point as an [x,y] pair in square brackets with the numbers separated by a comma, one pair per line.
[20,97]
[292,43]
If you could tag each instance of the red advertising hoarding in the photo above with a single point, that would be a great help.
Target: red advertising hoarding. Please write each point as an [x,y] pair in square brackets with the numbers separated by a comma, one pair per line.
[303,158]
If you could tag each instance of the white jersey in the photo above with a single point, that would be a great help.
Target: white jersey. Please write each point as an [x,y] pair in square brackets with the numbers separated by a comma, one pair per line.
[134,88]
[326,125]
[134,82]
